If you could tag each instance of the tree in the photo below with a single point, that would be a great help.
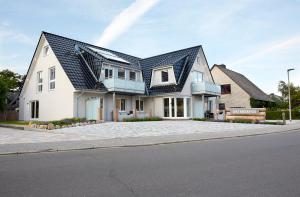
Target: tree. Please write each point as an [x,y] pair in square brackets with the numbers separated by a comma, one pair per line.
[13,80]
[3,93]
[295,93]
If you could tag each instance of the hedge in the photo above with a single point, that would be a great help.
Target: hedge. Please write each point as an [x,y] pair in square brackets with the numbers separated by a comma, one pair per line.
[277,115]
[142,119]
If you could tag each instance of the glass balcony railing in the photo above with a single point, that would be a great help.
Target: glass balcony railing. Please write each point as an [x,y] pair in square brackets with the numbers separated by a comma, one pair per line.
[121,85]
[206,88]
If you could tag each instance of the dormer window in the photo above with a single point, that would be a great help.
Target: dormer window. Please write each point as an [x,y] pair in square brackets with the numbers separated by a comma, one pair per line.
[108,73]
[121,73]
[46,50]
[164,76]
[132,75]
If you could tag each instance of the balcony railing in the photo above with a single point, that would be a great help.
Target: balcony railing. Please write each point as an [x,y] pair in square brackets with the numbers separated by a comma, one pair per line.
[205,88]
[121,85]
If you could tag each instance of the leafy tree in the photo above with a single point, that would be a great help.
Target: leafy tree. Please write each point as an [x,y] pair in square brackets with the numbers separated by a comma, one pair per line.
[3,93]
[13,80]
[295,93]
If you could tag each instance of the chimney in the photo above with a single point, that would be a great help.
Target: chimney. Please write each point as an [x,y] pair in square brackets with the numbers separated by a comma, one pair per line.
[220,65]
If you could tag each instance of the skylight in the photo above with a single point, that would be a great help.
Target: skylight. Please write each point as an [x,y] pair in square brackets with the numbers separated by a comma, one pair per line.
[108,55]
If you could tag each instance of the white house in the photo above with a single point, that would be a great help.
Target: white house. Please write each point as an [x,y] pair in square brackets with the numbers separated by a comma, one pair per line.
[68,78]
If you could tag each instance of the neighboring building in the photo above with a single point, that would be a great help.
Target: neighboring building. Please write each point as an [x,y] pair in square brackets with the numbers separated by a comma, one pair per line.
[69,78]
[237,90]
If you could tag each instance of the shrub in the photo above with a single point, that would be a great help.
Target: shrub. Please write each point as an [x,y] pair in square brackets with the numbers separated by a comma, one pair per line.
[66,121]
[201,119]
[277,115]
[142,119]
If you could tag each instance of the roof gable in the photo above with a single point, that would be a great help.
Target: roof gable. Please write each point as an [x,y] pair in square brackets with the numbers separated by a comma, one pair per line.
[244,83]
[182,62]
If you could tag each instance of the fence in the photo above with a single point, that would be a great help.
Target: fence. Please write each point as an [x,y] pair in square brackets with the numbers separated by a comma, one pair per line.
[9,116]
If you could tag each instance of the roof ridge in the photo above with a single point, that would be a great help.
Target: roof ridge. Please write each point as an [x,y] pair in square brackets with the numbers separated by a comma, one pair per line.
[44,32]
[199,46]
[249,81]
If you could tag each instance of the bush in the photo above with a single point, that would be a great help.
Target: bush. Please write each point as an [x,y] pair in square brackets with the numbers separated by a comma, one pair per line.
[201,119]
[142,119]
[66,121]
[277,115]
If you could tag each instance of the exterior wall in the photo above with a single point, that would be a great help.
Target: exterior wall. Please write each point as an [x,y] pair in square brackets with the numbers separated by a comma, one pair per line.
[53,104]
[238,97]
[197,104]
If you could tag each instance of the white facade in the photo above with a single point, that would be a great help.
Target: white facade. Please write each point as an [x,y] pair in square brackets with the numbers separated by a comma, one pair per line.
[53,104]
[57,99]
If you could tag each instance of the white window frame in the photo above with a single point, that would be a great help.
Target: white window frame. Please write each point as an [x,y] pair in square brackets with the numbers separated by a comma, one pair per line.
[112,73]
[36,113]
[122,69]
[39,81]
[46,50]
[138,107]
[135,78]
[122,110]
[185,108]
[52,80]
[161,76]
[196,76]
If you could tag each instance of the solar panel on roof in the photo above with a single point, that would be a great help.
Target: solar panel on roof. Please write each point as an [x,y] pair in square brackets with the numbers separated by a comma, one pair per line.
[108,55]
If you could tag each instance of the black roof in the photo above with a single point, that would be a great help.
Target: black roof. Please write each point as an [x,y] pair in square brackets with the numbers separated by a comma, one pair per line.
[244,83]
[79,76]
[181,60]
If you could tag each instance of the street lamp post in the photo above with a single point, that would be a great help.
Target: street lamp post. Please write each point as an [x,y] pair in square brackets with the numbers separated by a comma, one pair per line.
[290,107]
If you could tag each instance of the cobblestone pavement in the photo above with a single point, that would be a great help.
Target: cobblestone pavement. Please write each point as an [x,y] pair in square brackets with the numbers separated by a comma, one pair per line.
[112,130]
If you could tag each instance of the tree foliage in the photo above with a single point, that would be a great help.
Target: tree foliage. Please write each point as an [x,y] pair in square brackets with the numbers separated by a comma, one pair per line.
[295,93]
[13,80]
[3,93]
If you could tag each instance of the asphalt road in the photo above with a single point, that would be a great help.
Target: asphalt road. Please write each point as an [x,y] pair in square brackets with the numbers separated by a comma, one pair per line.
[266,165]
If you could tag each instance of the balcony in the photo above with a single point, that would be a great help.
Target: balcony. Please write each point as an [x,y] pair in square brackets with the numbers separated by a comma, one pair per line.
[206,88]
[127,86]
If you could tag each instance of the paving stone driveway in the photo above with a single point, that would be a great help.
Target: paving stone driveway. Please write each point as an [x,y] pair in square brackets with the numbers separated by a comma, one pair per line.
[112,130]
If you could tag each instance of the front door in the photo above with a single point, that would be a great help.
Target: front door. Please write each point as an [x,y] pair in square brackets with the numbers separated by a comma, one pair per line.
[92,108]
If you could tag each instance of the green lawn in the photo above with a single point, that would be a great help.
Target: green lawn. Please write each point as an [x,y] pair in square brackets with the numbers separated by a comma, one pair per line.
[14,122]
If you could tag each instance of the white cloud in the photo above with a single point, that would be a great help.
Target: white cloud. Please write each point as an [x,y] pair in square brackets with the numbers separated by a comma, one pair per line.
[285,44]
[124,20]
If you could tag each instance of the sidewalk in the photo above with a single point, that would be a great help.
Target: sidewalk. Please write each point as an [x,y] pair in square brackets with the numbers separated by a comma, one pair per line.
[138,141]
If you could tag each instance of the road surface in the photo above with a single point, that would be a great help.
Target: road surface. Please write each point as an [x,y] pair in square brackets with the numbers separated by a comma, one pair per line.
[267,165]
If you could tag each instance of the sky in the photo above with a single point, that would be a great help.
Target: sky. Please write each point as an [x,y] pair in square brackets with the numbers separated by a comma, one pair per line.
[260,39]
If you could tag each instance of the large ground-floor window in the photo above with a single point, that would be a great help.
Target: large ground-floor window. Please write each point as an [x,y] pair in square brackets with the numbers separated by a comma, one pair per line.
[34,105]
[177,107]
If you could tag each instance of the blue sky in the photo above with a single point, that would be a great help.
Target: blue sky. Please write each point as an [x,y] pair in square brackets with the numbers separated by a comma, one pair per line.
[260,39]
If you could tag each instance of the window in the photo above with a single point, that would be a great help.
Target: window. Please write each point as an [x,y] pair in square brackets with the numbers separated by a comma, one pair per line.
[221,106]
[34,109]
[108,73]
[226,89]
[198,76]
[52,78]
[39,81]
[46,50]
[139,105]
[166,107]
[132,75]
[121,73]
[180,107]
[123,105]
[164,76]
